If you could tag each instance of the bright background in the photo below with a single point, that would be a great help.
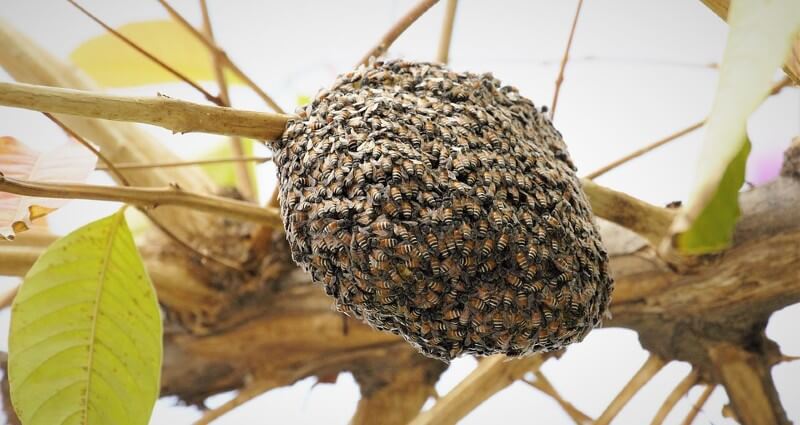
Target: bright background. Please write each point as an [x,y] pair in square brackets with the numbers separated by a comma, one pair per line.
[640,70]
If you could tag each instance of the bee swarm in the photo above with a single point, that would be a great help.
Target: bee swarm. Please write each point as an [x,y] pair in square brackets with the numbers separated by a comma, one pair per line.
[443,207]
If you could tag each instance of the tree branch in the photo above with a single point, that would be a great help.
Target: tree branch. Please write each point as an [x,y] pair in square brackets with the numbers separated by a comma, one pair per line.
[172,114]
[701,401]
[679,391]
[564,60]
[543,384]
[642,377]
[397,29]
[145,198]
[649,221]
[492,375]
[748,382]
[443,55]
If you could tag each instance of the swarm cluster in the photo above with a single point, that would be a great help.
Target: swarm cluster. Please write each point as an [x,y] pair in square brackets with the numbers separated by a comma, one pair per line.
[443,207]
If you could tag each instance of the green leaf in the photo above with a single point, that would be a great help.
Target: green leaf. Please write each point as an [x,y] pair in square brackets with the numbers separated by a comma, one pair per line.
[713,229]
[761,32]
[85,341]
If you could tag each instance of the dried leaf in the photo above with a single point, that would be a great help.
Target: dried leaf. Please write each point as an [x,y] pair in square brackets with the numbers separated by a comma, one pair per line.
[761,33]
[112,63]
[70,162]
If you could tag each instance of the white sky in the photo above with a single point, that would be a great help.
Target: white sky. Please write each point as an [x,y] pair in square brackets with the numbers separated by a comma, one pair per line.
[639,72]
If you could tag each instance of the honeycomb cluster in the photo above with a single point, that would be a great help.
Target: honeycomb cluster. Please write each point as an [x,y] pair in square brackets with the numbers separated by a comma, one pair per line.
[443,207]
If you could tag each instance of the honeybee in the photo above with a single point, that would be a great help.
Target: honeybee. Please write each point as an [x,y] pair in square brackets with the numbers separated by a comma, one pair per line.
[395,194]
[487,266]
[513,280]
[451,314]
[522,260]
[502,241]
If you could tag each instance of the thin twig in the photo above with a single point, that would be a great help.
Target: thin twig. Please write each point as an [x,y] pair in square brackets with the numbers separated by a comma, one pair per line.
[780,85]
[7,298]
[679,391]
[397,29]
[243,178]
[176,115]
[698,405]
[215,49]
[116,171]
[639,152]
[642,376]
[144,197]
[249,392]
[443,55]
[564,60]
[126,40]
[543,384]
[132,166]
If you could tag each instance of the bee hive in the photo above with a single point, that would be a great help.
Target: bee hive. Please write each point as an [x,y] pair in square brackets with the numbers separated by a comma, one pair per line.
[443,207]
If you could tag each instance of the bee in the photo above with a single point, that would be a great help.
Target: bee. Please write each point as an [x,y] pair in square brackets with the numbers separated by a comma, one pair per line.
[467,248]
[449,246]
[551,221]
[447,216]
[562,264]
[513,280]
[404,234]
[451,314]
[497,321]
[397,174]
[436,266]
[448,267]
[464,317]
[480,192]
[487,247]
[530,272]
[436,286]
[483,228]
[487,266]
[522,260]
[504,340]
[472,209]
[521,300]
[381,225]
[333,227]
[532,251]
[406,209]
[405,248]
[391,209]
[315,226]
[496,218]
[385,299]
[432,242]
[395,194]
[374,194]
[429,198]
[409,190]
[502,241]
[508,297]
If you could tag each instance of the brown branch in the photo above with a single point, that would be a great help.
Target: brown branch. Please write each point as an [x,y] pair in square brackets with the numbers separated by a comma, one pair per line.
[649,221]
[564,60]
[748,382]
[148,55]
[397,29]
[543,384]
[679,391]
[244,179]
[7,298]
[215,49]
[115,171]
[129,166]
[641,151]
[642,377]
[17,259]
[776,88]
[443,55]
[176,115]
[492,375]
[249,392]
[144,197]
[701,401]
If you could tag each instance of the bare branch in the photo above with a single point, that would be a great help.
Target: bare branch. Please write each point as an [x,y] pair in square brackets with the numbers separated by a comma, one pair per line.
[748,383]
[148,55]
[564,60]
[777,88]
[639,152]
[176,115]
[397,29]
[243,178]
[698,405]
[443,55]
[679,391]
[649,221]
[249,392]
[492,375]
[145,198]
[7,298]
[17,259]
[642,377]
[129,166]
[543,384]
[215,49]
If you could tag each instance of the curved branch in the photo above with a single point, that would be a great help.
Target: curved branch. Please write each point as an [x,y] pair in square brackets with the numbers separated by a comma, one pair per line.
[642,377]
[398,29]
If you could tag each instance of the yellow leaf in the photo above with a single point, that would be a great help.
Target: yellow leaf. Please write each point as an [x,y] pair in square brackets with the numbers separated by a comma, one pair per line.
[112,63]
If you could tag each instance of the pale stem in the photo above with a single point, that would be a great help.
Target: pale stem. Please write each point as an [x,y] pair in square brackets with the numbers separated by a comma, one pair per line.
[443,55]
[397,29]
[642,377]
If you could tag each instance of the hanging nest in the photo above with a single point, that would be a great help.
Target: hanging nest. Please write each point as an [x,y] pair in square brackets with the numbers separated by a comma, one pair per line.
[442,207]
